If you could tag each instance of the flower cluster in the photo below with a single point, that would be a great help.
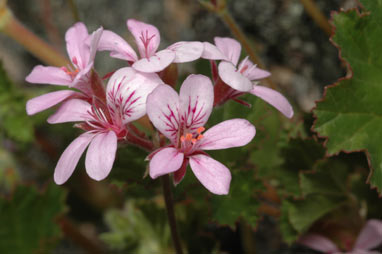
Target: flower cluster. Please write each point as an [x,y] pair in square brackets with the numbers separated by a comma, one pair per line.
[106,113]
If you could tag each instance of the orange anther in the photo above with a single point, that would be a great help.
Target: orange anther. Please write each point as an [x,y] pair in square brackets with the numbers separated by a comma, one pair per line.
[188,136]
[193,140]
[182,138]
[200,129]
[200,137]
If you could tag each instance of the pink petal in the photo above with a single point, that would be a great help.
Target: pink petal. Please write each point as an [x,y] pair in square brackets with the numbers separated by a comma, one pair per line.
[157,62]
[163,111]
[196,101]
[250,70]
[70,157]
[318,243]
[212,52]
[212,174]
[95,38]
[166,161]
[146,36]
[127,91]
[370,236]
[101,155]
[187,51]
[48,100]
[230,133]
[48,75]
[233,78]
[274,98]
[76,44]
[73,110]
[117,46]
[230,48]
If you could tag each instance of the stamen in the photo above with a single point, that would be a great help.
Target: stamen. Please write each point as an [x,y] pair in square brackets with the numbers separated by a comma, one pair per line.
[188,136]
[193,141]
[200,129]
[74,60]
[200,137]
[182,138]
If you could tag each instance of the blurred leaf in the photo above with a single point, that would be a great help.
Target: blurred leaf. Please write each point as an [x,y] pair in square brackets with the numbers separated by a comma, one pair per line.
[350,114]
[28,219]
[299,215]
[134,230]
[13,118]
[241,202]
[299,155]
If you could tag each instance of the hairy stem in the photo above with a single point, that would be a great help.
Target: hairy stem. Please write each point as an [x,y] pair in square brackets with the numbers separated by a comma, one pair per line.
[318,17]
[170,213]
[18,32]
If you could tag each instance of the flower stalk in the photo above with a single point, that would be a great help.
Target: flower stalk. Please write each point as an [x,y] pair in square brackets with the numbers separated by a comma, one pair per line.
[170,213]
[13,28]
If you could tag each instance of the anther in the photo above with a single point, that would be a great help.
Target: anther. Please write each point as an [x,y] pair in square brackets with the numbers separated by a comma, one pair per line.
[193,141]
[200,129]
[74,60]
[188,136]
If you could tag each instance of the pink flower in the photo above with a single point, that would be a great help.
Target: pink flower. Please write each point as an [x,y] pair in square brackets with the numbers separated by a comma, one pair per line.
[147,38]
[243,78]
[181,119]
[105,125]
[82,58]
[369,238]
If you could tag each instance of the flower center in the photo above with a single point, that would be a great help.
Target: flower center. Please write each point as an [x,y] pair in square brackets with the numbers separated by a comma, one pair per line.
[69,70]
[189,141]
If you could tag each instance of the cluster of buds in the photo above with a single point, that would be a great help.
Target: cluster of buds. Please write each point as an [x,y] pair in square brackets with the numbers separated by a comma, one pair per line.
[106,113]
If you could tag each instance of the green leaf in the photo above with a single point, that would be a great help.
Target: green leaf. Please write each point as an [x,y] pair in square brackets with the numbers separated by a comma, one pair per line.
[350,116]
[299,155]
[140,227]
[13,118]
[28,219]
[241,202]
[299,215]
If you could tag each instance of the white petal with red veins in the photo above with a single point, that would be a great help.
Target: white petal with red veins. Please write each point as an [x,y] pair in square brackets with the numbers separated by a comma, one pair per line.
[163,111]
[212,174]
[101,155]
[230,133]
[212,52]
[70,157]
[48,100]
[274,98]
[73,110]
[76,44]
[127,92]
[146,36]
[156,63]
[196,101]
[230,48]
[165,161]
[187,51]
[229,74]
[117,46]
[49,75]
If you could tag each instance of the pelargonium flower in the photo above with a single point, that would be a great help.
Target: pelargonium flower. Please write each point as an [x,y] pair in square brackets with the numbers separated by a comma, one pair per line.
[369,238]
[181,119]
[76,76]
[147,38]
[105,125]
[243,78]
